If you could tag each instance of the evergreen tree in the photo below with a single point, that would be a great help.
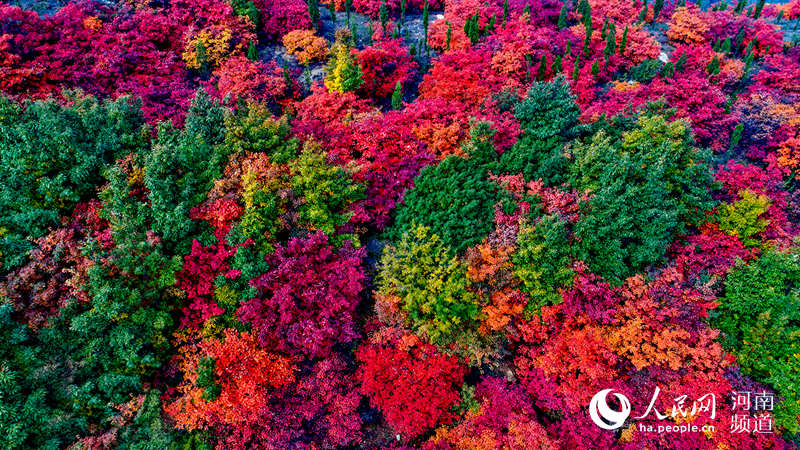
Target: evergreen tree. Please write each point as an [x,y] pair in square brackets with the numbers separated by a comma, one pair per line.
[737,40]
[454,198]
[383,13]
[313,13]
[713,67]
[541,73]
[658,5]
[252,52]
[623,43]
[343,71]
[595,69]
[584,9]
[332,11]
[246,8]
[471,29]
[562,16]
[726,45]
[759,8]
[397,96]
[425,20]
[643,13]
[549,119]
[557,65]
[736,136]
[668,70]
[587,27]
[748,62]
[611,42]
[52,157]
[202,56]
[649,184]
[759,323]
[576,70]
[287,75]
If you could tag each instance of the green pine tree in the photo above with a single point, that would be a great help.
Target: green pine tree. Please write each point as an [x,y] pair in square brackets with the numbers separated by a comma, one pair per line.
[759,8]
[541,73]
[658,5]
[202,56]
[680,65]
[425,19]
[313,13]
[332,11]
[383,13]
[587,27]
[713,67]
[611,42]
[669,70]
[623,43]
[736,136]
[726,45]
[252,52]
[397,96]
[576,71]
[557,65]
[549,118]
[562,16]
[748,62]
[287,75]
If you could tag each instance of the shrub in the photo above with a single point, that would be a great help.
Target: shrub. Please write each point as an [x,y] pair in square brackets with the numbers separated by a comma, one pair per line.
[239,78]
[227,382]
[306,301]
[412,384]
[383,65]
[305,46]
[431,285]
[343,71]
[283,16]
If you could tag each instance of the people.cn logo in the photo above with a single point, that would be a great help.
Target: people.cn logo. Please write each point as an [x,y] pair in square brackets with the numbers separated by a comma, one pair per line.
[605,417]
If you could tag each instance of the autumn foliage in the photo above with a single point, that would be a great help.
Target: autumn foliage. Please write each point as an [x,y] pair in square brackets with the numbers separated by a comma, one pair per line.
[398,224]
